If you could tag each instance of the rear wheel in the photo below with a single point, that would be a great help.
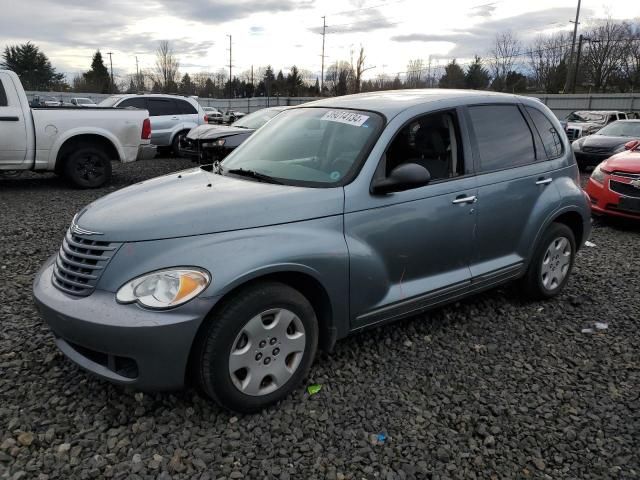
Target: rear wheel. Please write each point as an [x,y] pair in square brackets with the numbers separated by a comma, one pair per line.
[87,167]
[175,145]
[257,348]
[551,263]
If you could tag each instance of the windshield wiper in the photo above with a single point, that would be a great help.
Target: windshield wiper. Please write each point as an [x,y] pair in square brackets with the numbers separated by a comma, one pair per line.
[253,174]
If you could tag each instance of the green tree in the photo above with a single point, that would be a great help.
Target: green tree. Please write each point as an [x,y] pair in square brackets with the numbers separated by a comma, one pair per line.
[515,82]
[477,77]
[294,82]
[186,85]
[33,67]
[97,78]
[453,76]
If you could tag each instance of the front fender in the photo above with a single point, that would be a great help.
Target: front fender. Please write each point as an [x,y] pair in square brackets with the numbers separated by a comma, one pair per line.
[315,247]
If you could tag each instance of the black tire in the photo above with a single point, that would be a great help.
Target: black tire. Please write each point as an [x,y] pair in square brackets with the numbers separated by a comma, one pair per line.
[216,340]
[87,167]
[532,284]
[175,145]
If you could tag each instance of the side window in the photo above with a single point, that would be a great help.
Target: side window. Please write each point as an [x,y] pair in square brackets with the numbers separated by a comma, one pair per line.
[3,96]
[548,133]
[503,136]
[134,102]
[161,106]
[432,141]
[612,118]
[185,108]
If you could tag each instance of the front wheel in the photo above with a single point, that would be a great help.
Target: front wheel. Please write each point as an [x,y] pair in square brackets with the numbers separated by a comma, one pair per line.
[257,348]
[88,167]
[551,263]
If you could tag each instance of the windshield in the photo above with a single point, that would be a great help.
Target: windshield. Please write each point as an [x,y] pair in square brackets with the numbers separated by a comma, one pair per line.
[309,146]
[621,129]
[585,117]
[256,119]
[109,101]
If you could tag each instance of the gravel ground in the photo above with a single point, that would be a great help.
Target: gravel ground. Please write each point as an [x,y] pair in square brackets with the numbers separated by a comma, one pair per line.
[491,387]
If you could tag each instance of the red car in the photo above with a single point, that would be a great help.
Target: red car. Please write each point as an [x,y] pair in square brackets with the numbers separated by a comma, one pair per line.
[614,186]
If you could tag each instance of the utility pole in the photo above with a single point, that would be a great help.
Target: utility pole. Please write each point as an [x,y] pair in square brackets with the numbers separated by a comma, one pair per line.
[137,76]
[573,47]
[324,32]
[252,86]
[230,64]
[111,63]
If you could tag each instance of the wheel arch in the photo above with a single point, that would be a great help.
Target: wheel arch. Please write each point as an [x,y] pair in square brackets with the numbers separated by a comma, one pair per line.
[90,139]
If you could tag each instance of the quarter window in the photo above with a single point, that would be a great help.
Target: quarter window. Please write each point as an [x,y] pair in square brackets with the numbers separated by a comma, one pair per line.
[3,96]
[548,133]
[503,137]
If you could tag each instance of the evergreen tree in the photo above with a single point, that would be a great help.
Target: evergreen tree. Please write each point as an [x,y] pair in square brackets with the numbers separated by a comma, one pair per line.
[515,82]
[186,85]
[294,82]
[97,78]
[477,77]
[453,77]
[33,67]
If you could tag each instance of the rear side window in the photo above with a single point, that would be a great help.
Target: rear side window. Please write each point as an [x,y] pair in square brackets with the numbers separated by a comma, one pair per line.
[503,136]
[134,102]
[186,108]
[548,133]
[3,96]
[162,106]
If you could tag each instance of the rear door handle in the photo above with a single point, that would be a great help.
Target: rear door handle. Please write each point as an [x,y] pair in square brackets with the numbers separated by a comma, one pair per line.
[461,199]
[544,181]
[175,118]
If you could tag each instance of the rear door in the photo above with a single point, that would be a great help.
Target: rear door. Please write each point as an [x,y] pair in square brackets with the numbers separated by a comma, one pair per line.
[514,183]
[188,113]
[165,115]
[13,127]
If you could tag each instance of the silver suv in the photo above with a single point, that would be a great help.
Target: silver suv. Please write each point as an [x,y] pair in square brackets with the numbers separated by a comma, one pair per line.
[172,116]
[335,216]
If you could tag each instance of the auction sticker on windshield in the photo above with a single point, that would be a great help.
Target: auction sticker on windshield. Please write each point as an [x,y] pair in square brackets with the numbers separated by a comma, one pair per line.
[341,116]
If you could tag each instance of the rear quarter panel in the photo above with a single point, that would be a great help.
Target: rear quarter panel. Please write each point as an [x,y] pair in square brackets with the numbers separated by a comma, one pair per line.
[54,126]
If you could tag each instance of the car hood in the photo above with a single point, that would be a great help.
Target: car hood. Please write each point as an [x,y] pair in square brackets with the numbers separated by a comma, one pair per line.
[589,126]
[604,141]
[207,132]
[623,162]
[197,202]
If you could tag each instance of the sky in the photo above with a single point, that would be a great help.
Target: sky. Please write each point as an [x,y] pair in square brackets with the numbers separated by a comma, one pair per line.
[284,32]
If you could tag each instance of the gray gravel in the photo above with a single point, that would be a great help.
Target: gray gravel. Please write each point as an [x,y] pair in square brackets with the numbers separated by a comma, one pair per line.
[491,387]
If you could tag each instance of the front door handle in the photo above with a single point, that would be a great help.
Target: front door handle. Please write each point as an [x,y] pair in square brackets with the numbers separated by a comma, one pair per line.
[544,181]
[471,199]
[175,118]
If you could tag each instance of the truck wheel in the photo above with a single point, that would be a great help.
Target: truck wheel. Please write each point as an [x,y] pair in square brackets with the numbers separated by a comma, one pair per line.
[257,348]
[175,145]
[551,263]
[88,167]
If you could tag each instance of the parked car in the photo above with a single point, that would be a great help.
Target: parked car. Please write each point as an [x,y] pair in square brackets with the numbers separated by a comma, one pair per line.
[336,216]
[83,102]
[583,123]
[614,186]
[592,150]
[214,116]
[231,116]
[172,116]
[208,143]
[78,145]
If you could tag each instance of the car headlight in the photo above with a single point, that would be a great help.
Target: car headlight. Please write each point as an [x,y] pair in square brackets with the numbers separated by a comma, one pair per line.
[164,288]
[577,145]
[220,142]
[598,174]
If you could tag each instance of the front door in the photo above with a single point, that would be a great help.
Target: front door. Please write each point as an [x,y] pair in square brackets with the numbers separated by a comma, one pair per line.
[411,249]
[13,131]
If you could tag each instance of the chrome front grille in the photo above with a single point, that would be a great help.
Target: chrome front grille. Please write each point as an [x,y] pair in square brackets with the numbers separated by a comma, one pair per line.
[625,189]
[80,264]
[596,149]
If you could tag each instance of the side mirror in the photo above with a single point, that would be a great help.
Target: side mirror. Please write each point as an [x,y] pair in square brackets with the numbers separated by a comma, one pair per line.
[631,145]
[403,177]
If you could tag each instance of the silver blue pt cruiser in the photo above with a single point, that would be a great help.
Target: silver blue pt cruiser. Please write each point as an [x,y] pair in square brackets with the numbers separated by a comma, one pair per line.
[336,216]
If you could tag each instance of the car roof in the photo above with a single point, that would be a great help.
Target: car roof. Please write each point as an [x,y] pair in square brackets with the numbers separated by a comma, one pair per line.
[392,102]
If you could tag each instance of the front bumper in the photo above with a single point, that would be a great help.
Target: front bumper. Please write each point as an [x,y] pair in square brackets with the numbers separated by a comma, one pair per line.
[586,159]
[147,152]
[604,201]
[124,344]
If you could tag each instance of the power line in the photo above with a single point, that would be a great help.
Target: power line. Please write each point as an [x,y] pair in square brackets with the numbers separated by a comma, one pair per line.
[573,47]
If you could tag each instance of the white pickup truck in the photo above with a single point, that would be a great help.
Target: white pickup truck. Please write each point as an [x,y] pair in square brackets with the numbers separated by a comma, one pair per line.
[78,144]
